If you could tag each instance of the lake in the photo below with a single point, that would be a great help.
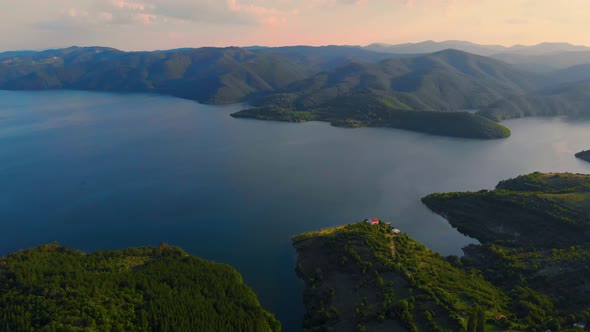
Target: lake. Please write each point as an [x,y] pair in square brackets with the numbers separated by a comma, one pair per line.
[107,171]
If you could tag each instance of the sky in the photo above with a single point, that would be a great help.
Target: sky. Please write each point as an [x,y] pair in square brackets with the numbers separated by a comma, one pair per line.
[165,24]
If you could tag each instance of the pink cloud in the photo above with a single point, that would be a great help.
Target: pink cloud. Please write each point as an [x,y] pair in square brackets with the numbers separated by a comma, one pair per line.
[266,15]
[273,21]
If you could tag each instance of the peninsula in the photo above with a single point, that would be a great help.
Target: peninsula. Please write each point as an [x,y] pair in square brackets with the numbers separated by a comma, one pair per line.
[528,273]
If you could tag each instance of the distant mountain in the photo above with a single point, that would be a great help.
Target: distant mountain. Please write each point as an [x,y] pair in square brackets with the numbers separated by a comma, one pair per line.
[449,80]
[11,54]
[541,58]
[347,85]
[208,75]
[432,47]
[545,63]
[572,74]
[487,50]
[329,57]
[382,94]
[571,99]
[547,48]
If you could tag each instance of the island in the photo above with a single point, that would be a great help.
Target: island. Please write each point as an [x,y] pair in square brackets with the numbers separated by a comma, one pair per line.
[53,288]
[584,155]
[529,272]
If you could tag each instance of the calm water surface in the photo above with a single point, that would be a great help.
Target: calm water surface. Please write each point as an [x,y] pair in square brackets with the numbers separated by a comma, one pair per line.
[106,171]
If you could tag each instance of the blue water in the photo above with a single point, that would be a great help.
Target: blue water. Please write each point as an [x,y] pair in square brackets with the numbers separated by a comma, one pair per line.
[106,171]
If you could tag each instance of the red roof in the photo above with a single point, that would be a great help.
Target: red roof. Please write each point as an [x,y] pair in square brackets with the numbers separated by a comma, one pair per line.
[374,220]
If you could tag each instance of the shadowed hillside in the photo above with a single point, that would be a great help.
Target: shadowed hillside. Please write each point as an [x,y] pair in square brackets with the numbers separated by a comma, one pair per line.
[535,235]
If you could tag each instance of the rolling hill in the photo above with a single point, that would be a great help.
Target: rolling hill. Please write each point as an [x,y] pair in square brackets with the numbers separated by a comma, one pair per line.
[347,85]
[572,99]
[534,232]
[541,58]
[406,93]
[209,75]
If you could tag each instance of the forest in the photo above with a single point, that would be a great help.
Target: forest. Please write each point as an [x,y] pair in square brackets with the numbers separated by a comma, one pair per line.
[53,288]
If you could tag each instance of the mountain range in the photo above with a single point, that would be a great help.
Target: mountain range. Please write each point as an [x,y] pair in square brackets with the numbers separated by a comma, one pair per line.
[410,86]
[543,57]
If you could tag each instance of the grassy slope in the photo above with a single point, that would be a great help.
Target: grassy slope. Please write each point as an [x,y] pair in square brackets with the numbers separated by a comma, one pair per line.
[139,289]
[362,276]
[535,235]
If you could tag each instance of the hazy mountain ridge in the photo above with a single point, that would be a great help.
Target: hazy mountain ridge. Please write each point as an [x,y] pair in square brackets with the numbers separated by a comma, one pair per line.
[572,99]
[543,58]
[208,75]
[381,94]
[331,83]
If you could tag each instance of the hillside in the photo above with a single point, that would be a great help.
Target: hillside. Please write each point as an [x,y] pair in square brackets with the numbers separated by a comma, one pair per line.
[362,277]
[572,74]
[535,232]
[430,46]
[52,288]
[381,94]
[541,58]
[546,63]
[584,155]
[209,75]
[346,85]
[572,99]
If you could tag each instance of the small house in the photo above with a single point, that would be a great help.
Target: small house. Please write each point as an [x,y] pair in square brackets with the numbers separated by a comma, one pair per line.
[396,231]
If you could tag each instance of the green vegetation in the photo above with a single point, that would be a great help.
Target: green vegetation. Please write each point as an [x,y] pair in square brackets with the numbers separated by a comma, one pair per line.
[52,288]
[570,99]
[534,234]
[584,155]
[347,86]
[208,75]
[529,273]
[362,276]
[421,93]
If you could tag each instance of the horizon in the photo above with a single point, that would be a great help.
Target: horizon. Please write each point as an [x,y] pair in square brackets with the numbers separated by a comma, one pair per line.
[294,45]
[168,24]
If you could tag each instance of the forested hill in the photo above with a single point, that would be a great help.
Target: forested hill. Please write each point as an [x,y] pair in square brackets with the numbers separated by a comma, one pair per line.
[52,288]
[572,99]
[535,235]
[346,85]
[449,80]
[208,75]
[363,277]
[388,92]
